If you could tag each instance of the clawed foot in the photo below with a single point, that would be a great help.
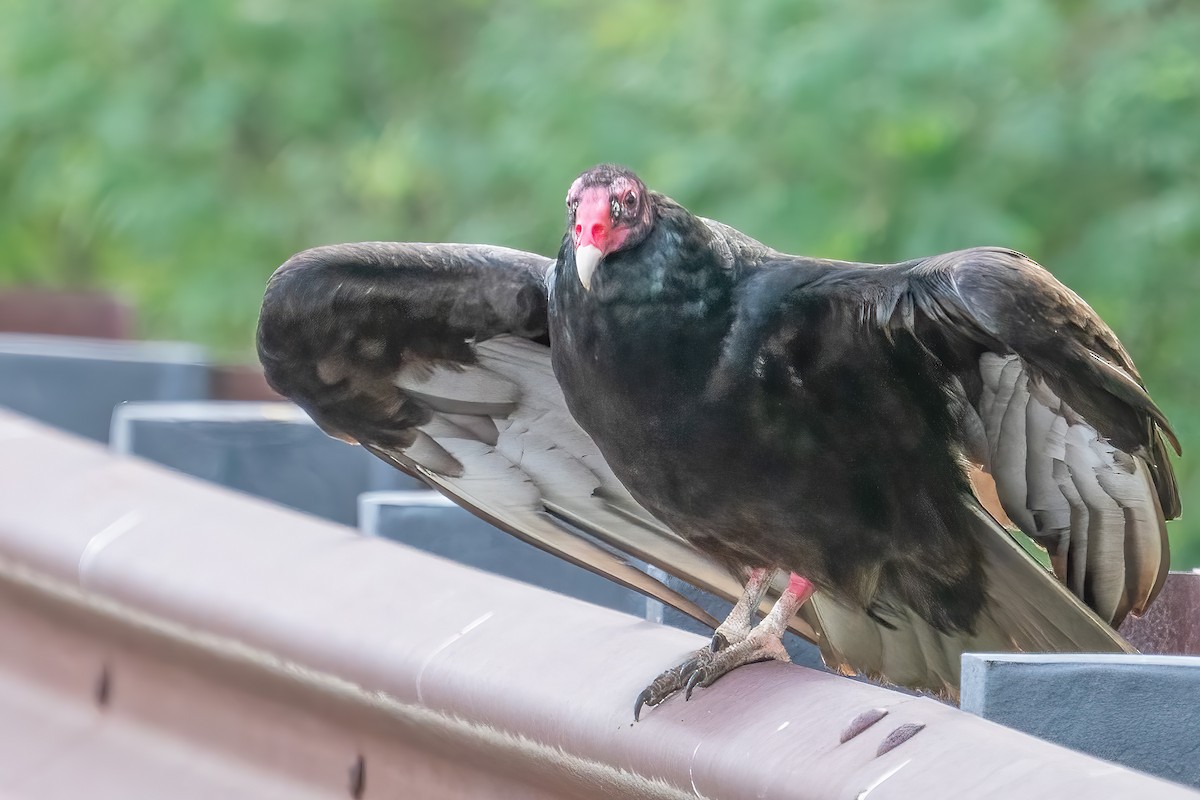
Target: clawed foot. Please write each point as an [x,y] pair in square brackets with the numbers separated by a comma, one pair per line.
[705,666]
[734,643]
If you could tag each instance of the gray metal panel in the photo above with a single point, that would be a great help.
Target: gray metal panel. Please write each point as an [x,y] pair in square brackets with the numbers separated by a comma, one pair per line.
[1140,711]
[270,450]
[430,522]
[74,384]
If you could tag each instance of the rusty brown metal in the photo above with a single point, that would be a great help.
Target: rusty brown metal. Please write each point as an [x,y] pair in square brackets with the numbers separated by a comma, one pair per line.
[97,315]
[180,640]
[1171,626]
[241,382]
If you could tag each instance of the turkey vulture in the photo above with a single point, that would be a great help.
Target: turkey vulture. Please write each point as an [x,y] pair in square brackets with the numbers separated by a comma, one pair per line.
[754,422]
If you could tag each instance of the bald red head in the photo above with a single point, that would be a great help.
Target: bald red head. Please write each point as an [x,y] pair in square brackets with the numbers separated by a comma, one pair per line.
[608,211]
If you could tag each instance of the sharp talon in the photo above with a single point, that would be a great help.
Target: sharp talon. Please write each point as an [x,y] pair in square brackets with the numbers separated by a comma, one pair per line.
[705,666]
[641,701]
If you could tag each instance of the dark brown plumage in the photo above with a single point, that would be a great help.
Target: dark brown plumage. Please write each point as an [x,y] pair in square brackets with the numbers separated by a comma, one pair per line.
[776,412]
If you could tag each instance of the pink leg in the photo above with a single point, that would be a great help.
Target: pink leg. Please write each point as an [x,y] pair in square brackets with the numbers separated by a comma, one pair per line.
[795,595]
[802,588]
[737,625]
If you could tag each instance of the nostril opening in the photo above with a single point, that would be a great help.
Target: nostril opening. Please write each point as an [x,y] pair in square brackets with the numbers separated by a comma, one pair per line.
[578,229]
[597,231]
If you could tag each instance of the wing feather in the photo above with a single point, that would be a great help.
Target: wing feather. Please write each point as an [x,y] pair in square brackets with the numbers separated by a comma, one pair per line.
[1074,442]
[416,352]
[1026,610]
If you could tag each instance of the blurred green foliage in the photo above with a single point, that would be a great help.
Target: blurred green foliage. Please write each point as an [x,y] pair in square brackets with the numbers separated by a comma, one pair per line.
[179,151]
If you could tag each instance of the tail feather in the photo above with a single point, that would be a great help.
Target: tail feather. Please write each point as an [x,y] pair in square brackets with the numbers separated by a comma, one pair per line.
[1026,609]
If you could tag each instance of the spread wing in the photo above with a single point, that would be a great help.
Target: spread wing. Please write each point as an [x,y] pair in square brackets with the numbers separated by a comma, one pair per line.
[867,357]
[1059,417]
[434,357]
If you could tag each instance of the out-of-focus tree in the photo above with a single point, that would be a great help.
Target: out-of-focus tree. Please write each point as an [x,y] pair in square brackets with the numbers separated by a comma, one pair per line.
[179,151]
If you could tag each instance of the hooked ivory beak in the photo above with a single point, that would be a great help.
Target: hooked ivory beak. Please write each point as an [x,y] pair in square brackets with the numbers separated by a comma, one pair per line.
[586,259]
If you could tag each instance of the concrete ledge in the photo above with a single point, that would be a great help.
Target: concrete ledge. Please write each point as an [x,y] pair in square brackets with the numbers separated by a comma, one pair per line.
[1141,711]
[295,652]
[73,715]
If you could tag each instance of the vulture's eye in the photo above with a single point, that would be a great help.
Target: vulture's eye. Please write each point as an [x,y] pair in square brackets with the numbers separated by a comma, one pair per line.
[630,200]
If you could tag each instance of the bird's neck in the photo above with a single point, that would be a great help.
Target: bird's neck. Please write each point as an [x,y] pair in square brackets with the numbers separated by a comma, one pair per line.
[678,273]
[655,317]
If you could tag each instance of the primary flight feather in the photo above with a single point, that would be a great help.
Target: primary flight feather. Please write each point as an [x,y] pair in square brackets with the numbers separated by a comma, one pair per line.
[686,395]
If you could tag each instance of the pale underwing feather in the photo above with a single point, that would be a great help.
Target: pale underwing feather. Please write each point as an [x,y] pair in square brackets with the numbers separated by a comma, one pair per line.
[458,390]
[1106,524]
[1010,448]
[428,451]
[1078,549]
[1046,437]
[500,492]
[1092,505]
[477,426]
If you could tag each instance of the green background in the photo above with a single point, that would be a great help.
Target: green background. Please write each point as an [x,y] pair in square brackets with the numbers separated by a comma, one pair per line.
[177,152]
